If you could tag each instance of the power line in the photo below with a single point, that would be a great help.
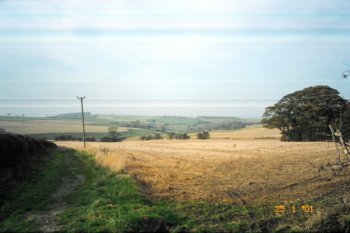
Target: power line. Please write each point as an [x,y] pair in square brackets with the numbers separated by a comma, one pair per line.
[82,117]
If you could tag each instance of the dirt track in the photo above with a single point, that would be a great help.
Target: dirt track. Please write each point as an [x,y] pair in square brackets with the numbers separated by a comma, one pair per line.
[47,221]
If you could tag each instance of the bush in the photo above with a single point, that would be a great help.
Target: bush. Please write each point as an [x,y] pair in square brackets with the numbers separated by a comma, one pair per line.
[111,139]
[171,135]
[156,136]
[91,139]
[71,138]
[203,135]
[182,136]
[179,136]
[19,158]
[18,149]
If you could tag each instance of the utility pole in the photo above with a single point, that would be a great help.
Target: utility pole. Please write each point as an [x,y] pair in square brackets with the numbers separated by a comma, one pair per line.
[82,117]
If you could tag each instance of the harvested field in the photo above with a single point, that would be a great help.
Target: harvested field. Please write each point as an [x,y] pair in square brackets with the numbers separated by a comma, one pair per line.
[224,171]
[254,132]
[52,126]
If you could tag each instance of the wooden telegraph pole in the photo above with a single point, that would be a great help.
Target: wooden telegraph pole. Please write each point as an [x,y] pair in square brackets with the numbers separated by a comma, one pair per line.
[82,117]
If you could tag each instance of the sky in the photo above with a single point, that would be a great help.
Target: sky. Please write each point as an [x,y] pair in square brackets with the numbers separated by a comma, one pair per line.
[160,57]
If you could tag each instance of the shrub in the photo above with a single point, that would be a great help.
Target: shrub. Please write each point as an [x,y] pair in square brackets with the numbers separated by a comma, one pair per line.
[171,135]
[19,156]
[111,139]
[91,139]
[182,136]
[203,135]
[156,136]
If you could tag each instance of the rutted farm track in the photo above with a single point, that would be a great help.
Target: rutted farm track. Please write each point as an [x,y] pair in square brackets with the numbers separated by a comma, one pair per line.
[47,221]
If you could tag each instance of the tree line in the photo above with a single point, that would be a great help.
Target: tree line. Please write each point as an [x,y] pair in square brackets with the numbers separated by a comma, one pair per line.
[72,138]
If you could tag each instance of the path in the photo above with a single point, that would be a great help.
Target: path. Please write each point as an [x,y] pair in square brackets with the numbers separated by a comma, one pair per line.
[47,221]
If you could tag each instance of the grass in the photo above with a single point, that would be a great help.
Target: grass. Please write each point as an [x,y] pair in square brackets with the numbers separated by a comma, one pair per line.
[193,186]
[33,196]
[212,169]
[234,185]
[212,217]
[112,202]
[123,133]
[109,201]
[106,202]
[97,124]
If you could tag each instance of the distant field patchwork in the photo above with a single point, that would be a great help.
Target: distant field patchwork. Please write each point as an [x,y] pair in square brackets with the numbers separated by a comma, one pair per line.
[51,126]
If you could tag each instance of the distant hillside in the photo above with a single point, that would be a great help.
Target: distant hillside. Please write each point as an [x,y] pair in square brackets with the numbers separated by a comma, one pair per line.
[73,115]
[97,126]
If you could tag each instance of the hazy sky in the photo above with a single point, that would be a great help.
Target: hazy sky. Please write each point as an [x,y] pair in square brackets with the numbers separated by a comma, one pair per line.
[169,50]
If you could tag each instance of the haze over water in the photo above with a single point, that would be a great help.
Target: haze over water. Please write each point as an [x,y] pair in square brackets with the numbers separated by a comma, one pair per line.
[238,108]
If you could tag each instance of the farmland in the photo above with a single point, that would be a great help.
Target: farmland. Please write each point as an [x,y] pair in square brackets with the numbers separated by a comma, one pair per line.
[128,126]
[229,183]
[254,175]
[252,132]
[46,126]
[222,170]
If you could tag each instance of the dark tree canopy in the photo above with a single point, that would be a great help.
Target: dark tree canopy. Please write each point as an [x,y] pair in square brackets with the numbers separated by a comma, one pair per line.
[305,115]
[203,135]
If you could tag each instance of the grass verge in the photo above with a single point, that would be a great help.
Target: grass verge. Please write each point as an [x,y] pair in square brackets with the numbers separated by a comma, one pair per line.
[33,196]
[112,202]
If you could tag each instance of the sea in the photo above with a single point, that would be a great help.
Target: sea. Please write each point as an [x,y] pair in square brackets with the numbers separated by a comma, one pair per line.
[243,108]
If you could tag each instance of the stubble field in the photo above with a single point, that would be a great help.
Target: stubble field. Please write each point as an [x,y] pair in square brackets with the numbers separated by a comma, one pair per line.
[224,171]
[52,126]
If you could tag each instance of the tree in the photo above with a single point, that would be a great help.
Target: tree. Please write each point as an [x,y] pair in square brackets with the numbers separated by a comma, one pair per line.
[305,115]
[203,135]
[112,132]
[171,135]
[345,123]
[113,135]
[182,136]
[157,136]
